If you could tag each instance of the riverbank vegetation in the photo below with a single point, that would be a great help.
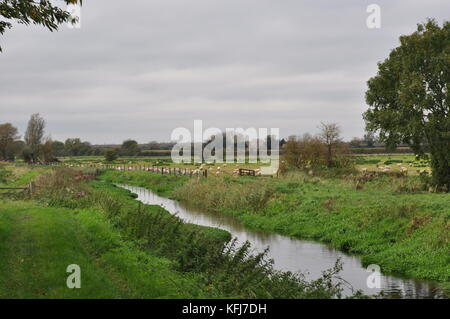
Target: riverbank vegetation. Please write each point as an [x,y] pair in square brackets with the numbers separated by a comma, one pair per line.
[128,250]
[387,218]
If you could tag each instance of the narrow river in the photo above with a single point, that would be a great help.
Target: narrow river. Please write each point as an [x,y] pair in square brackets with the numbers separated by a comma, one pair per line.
[295,255]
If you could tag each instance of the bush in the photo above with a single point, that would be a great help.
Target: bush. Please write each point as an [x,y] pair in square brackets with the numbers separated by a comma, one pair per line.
[310,152]
[111,155]
[4,174]
[216,194]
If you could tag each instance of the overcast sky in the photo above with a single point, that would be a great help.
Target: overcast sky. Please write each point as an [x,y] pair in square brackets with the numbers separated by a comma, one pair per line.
[138,69]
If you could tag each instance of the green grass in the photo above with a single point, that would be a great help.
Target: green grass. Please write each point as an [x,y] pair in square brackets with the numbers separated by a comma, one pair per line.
[395,161]
[162,184]
[119,240]
[18,176]
[388,220]
[38,243]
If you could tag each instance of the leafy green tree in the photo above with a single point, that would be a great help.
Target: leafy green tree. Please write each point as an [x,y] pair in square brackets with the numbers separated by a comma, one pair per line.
[58,148]
[409,98]
[8,137]
[75,147]
[46,154]
[130,148]
[41,12]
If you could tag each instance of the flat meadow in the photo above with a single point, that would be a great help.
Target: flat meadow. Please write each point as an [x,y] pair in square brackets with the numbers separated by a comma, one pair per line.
[380,210]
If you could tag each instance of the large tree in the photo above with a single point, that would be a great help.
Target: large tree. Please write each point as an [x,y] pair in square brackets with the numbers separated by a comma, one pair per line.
[130,148]
[409,98]
[41,12]
[8,139]
[75,147]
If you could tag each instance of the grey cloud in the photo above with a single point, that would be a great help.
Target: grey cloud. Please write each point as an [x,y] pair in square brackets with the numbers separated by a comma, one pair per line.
[138,69]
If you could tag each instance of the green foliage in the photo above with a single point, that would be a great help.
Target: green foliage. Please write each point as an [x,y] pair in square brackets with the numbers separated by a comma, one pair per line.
[215,193]
[409,97]
[4,174]
[130,148]
[111,155]
[75,147]
[32,235]
[162,184]
[377,220]
[43,12]
[227,270]
[8,142]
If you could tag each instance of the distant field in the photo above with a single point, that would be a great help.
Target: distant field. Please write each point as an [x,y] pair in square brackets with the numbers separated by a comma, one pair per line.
[371,162]
[394,161]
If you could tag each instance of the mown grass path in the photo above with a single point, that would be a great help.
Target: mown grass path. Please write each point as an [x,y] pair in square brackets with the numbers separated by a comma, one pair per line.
[38,243]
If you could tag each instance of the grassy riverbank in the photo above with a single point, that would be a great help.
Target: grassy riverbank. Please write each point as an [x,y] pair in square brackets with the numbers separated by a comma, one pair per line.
[37,243]
[126,249]
[388,220]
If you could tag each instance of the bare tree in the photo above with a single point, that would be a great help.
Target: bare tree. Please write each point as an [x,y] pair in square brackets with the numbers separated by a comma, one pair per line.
[330,136]
[34,137]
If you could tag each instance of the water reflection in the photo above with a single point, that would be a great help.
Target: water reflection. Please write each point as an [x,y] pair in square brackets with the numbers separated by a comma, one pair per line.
[295,255]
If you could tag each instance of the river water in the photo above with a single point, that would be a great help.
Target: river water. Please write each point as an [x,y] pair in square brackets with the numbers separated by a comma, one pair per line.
[294,255]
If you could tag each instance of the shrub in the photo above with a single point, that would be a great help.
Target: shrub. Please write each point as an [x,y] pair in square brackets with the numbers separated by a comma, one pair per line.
[111,155]
[4,174]
[226,193]
[310,152]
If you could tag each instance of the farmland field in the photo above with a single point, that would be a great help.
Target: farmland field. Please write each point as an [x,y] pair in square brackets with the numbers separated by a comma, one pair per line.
[389,218]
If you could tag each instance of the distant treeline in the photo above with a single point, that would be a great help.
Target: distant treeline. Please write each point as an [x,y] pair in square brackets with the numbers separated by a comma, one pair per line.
[35,147]
[76,147]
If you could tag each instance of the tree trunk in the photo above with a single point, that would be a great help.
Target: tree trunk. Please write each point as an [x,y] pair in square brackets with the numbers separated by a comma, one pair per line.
[440,164]
[330,156]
